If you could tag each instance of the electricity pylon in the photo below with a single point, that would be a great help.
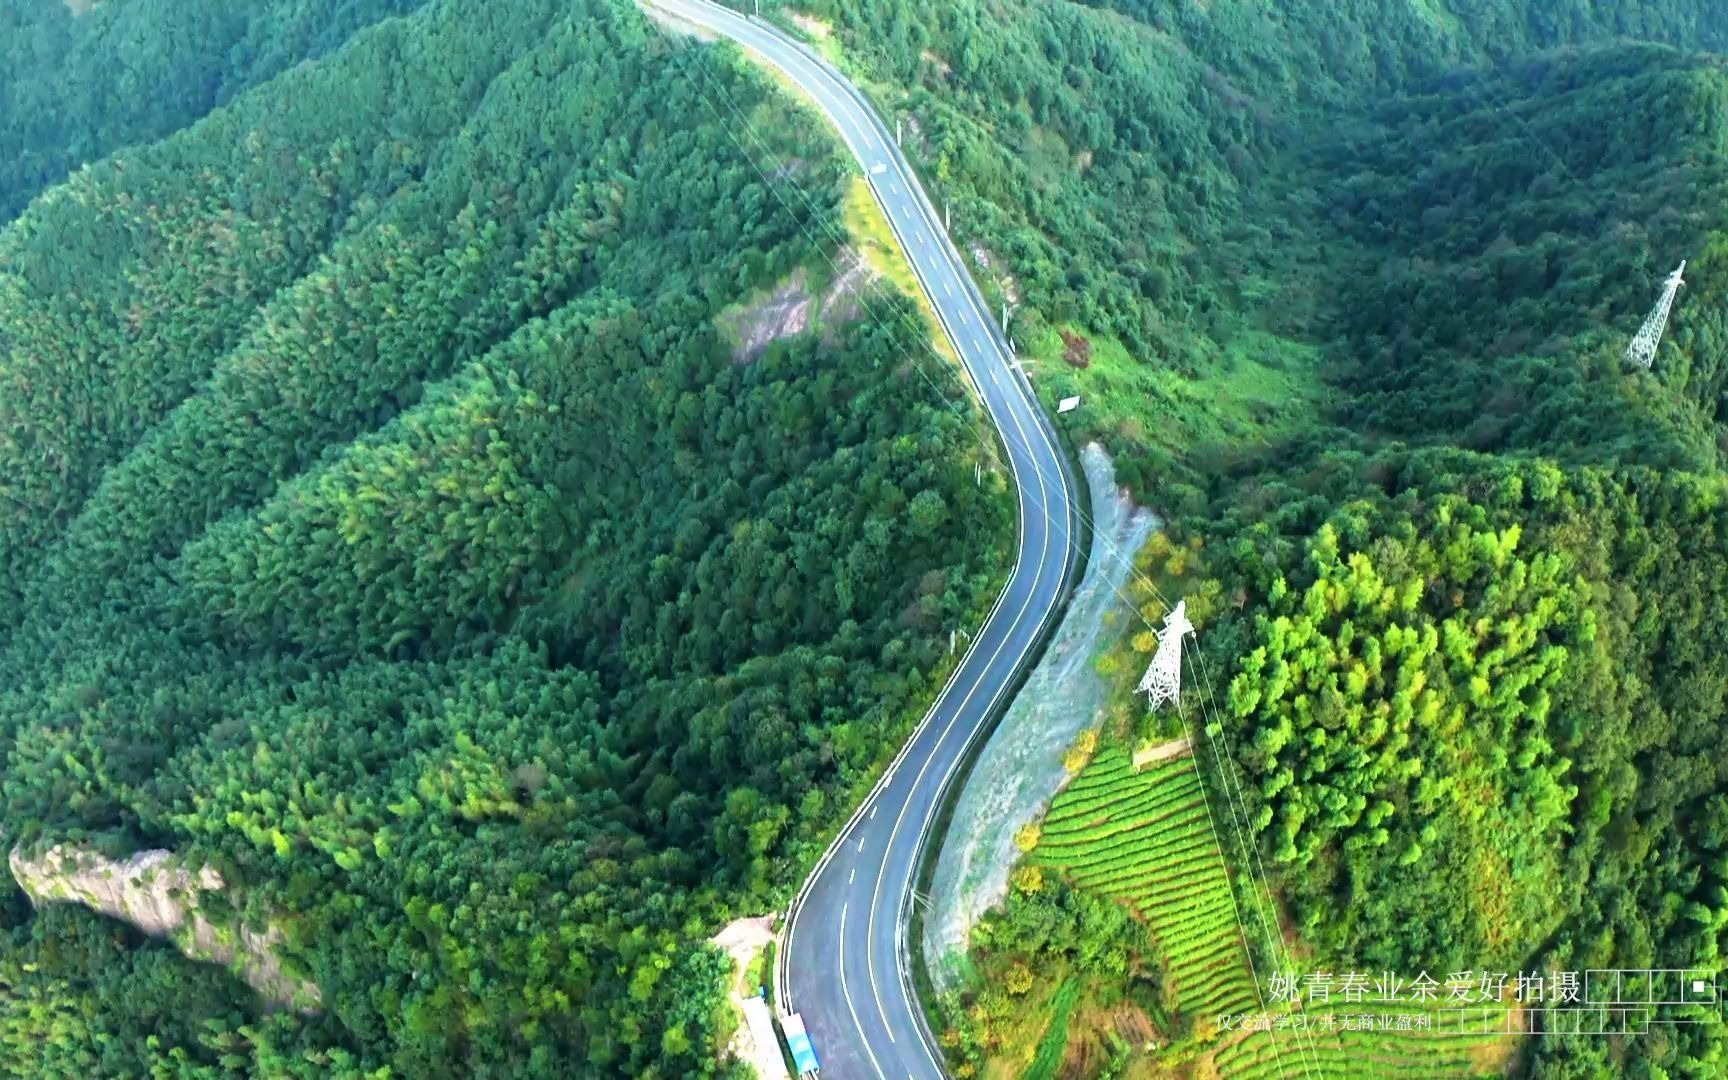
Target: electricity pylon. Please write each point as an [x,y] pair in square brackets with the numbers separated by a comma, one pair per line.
[1163,680]
[1642,352]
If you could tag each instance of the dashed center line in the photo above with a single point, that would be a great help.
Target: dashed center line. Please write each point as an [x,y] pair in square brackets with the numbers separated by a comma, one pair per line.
[846,993]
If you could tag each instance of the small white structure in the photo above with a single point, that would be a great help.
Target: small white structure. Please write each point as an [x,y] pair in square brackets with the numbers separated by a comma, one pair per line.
[1642,352]
[1163,680]
[764,1044]
[1068,404]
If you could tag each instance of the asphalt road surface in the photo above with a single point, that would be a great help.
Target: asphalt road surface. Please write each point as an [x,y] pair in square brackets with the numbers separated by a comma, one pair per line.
[846,963]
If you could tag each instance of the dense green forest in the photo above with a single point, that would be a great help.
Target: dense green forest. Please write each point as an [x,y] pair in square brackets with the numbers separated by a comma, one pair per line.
[1346,290]
[1487,663]
[388,525]
[81,79]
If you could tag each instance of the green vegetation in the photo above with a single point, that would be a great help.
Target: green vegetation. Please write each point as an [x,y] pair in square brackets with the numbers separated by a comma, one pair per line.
[1054,1042]
[1084,950]
[86,997]
[1145,839]
[1448,706]
[388,526]
[1345,289]
[80,79]
[874,238]
[1142,840]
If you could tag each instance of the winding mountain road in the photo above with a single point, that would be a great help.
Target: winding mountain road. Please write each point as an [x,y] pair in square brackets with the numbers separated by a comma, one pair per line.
[846,962]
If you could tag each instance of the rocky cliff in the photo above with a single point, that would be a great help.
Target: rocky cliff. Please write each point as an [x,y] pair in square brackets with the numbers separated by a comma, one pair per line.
[155,893]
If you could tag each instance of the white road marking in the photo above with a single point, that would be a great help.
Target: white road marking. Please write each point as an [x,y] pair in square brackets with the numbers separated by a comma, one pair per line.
[873,807]
[1021,494]
[949,286]
[853,876]
[965,318]
[847,994]
[860,843]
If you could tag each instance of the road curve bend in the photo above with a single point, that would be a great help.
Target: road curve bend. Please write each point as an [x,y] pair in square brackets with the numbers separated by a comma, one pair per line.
[845,964]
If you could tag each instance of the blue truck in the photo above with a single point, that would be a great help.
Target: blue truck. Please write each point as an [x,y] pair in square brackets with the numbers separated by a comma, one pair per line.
[798,1042]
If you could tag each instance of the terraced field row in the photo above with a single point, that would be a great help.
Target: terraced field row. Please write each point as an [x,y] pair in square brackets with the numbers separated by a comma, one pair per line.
[1146,839]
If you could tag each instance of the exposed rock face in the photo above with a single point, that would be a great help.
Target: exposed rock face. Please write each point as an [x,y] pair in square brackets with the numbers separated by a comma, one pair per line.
[742,939]
[677,25]
[843,302]
[986,260]
[160,897]
[790,309]
[784,313]
[811,25]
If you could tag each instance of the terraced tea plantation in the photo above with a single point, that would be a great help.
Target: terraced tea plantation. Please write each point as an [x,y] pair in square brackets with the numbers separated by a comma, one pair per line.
[1145,839]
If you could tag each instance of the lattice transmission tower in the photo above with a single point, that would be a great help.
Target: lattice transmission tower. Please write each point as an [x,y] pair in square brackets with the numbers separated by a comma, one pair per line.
[1642,352]
[1163,680]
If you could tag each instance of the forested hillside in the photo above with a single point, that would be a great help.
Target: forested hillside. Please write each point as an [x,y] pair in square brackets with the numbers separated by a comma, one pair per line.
[388,526]
[1346,289]
[80,79]
[386,523]
[1140,177]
